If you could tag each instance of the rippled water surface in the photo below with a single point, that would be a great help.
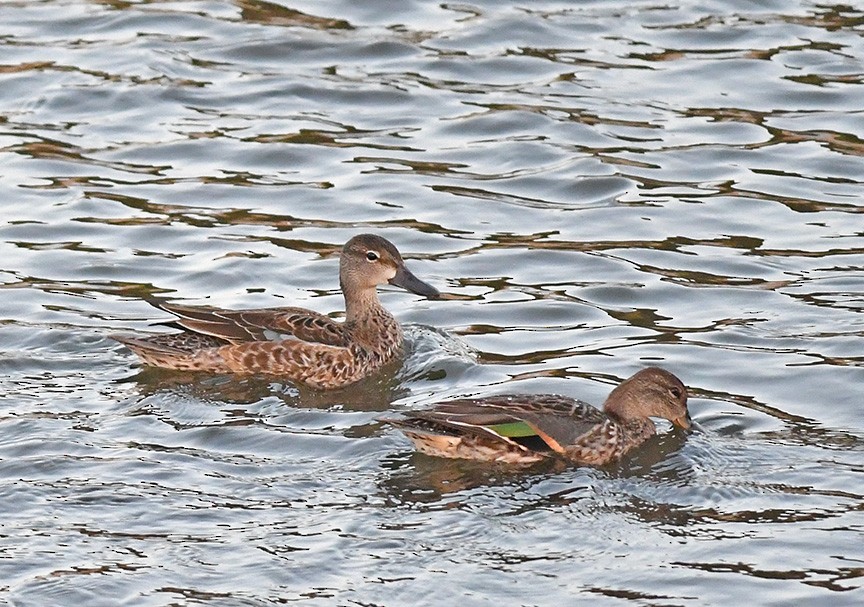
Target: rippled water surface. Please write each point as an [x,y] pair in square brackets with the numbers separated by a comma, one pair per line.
[595,186]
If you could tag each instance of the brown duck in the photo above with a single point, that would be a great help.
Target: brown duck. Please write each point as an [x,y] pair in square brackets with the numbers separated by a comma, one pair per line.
[524,429]
[294,343]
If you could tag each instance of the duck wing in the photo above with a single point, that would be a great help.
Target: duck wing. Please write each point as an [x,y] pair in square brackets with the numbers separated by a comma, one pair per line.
[557,420]
[262,324]
[436,435]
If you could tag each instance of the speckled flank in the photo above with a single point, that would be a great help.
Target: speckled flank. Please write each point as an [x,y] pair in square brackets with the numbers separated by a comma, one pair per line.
[471,447]
[554,425]
[293,343]
[609,441]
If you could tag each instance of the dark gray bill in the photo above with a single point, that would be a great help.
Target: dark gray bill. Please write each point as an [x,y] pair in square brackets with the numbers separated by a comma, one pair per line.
[405,279]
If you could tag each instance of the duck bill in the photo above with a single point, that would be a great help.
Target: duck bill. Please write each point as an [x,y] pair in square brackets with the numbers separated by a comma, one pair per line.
[684,422]
[405,279]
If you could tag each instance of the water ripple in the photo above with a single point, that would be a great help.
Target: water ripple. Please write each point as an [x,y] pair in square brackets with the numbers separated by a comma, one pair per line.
[594,187]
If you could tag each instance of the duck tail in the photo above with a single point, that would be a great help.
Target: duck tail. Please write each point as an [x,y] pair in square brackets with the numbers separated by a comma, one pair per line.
[172,351]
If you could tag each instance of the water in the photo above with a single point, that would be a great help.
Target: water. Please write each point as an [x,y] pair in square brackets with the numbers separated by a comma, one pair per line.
[596,186]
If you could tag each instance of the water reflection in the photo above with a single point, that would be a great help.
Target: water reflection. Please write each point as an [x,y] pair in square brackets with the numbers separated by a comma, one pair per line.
[258,11]
[599,186]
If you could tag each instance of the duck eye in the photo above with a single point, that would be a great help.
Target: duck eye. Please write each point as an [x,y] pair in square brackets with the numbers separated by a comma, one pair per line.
[372,256]
[675,392]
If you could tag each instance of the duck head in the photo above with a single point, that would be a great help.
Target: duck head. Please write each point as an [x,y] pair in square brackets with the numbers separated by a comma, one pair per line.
[652,392]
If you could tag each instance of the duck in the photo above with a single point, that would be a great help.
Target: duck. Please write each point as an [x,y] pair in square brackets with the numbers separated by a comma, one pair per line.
[528,428]
[294,343]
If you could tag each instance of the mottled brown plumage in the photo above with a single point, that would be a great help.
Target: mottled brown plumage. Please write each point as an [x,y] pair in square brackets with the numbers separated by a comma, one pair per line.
[295,343]
[524,428]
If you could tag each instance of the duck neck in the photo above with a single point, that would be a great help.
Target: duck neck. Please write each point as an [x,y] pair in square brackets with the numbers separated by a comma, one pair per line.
[624,408]
[360,304]
[370,325]
[634,426]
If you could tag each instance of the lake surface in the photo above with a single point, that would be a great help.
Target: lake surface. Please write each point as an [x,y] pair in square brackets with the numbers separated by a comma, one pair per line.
[595,186]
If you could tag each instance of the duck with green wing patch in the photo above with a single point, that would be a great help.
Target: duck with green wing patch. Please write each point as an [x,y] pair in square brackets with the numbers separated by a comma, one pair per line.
[524,428]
